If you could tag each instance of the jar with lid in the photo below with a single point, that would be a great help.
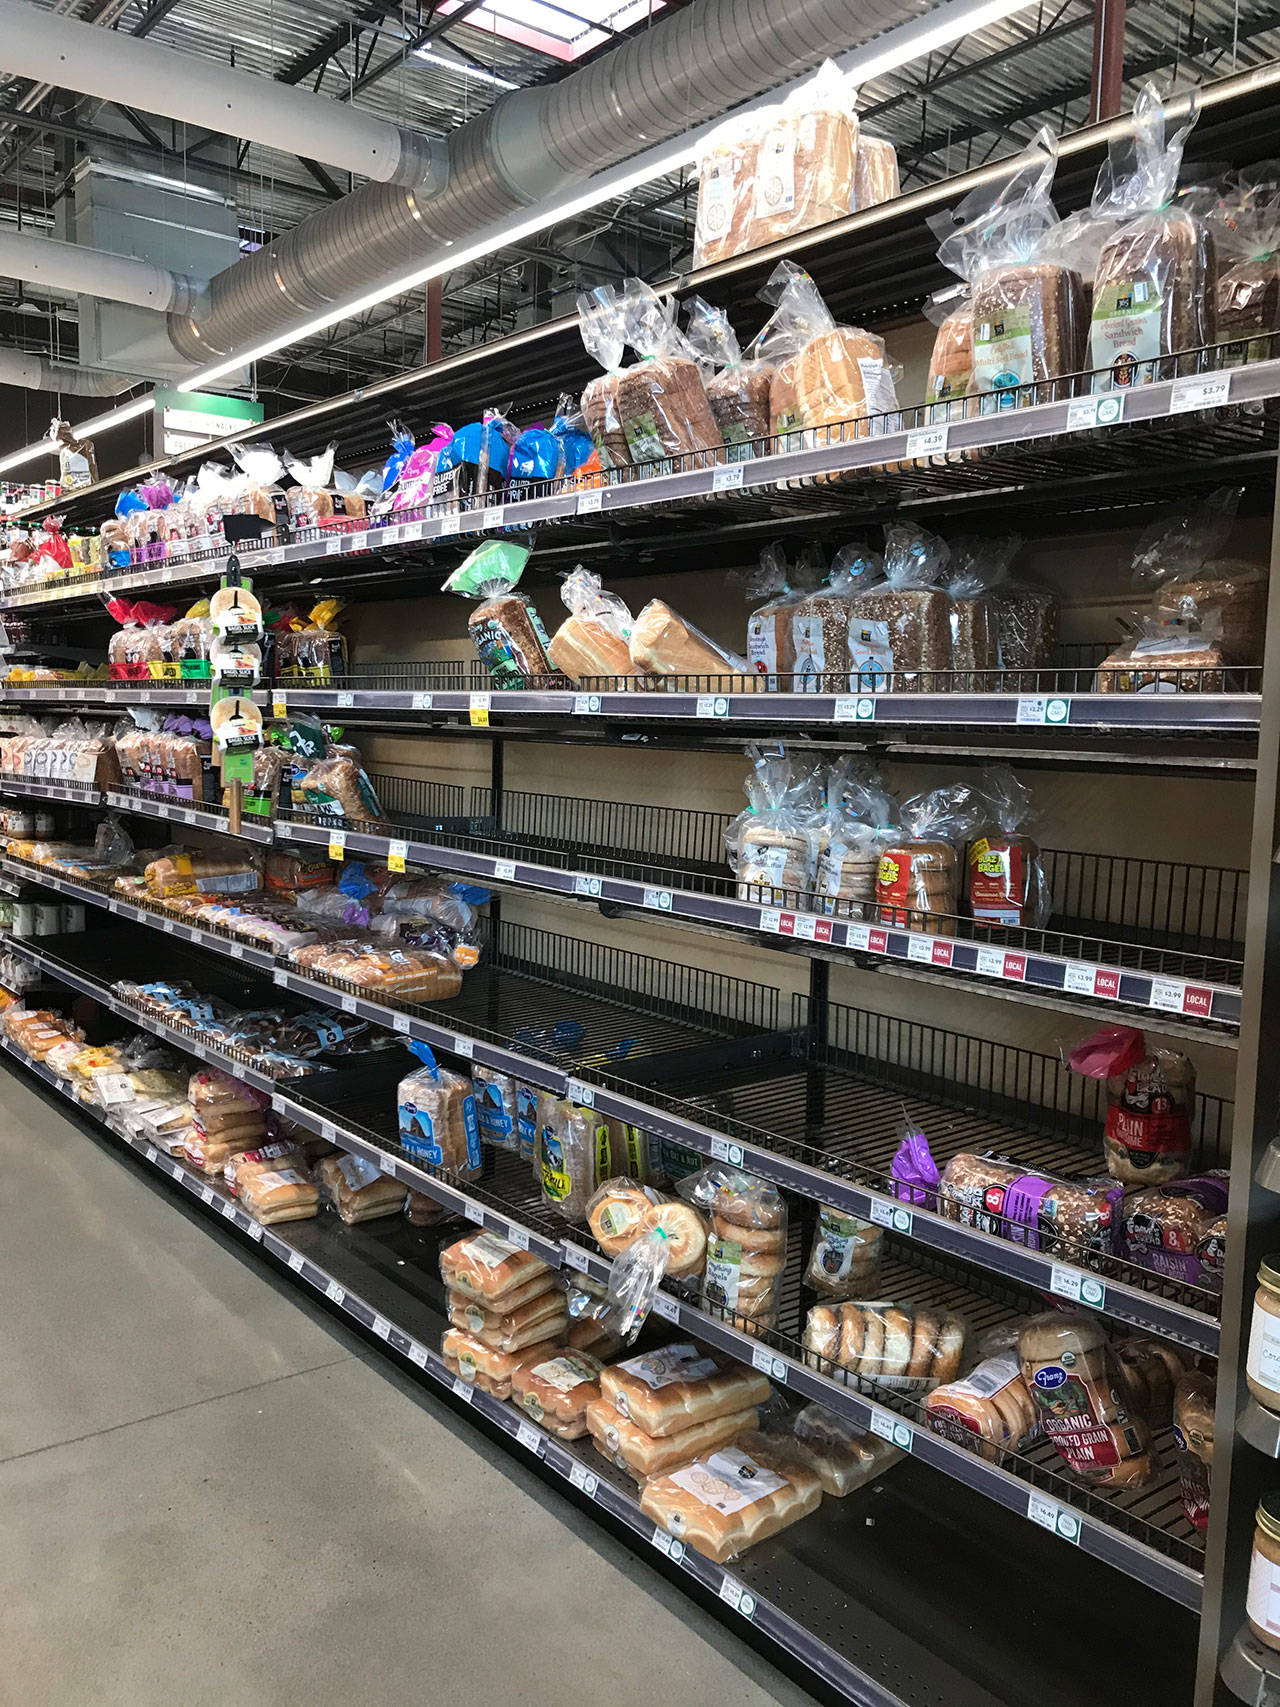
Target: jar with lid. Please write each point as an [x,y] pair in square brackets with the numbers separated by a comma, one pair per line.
[1262,1366]
[1262,1608]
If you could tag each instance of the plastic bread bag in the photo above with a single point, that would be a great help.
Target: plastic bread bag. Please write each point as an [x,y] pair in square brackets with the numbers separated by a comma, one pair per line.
[618,1213]
[593,640]
[875,173]
[978,566]
[990,1410]
[505,629]
[738,390]
[820,621]
[906,1348]
[263,494]
[726,189]
[1151,1094]
[663,644]
[805,158]
[771,844]
[848,834]
[496,1108]
[1194,1402]
[747,1250]
[918,882]
[602,319]
[1245,222]
[1027,312]
[634,1282]
[1071,1374]
[662,401]
[437,1117]
[1166,655]
[900,628]
[1007,880]
[775,590]
[1180,557]
[951,363]
[1155,288]
[844,1258]
[842,1456]
[566,1156]
[840,1465]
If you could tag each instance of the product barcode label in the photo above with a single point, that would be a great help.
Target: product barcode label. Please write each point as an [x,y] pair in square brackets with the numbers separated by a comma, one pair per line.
[590,500]
[583,1479]
[1053,1517]
[422,702]
[517,1236]
[723,1151]
[1037,708]
[659,898]
[530,1439]
[765,1361]
[328,1132]
[667,1543]
[337,844]
[504,870]
[576,1258]
[462,1389]
[583,1095]
[891,1215]
[418,1354]
[1209,391]
[739,1598]
[859,709]
[711,705]
[665,1307]
[464,1046]
[1080,1288]
[585,704]
[382,1327]
[927,441]
[397,854]
[206,1192]
[1102,411]
[586,886]
[334,1293]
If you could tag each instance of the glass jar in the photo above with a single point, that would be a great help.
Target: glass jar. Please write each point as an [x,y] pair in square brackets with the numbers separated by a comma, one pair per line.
[1263,1605]
[1262,1367]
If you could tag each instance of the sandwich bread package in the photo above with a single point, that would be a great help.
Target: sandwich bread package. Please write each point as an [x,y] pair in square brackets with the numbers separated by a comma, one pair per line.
[541,1318]
[1027,313]
[627,1445]
[738,390]
[899,633]
[918,879]
[774,590]
[770,843]
[726,191]
[820,622]
[661,399]
[951,362]
[437,1117]
[602,318]
[805,158]
[1155,289]
[1193,1405]
[566,1155]
[978,567]
[889,1345]
[1150,1370]
[505,629]
[556,1391]
[990,1408]
[594,639]
[1245,221]
[1042,1211]
[273,1193]
[1007,880]
[1073,1378]
[497,1107]
[491,1270]
[1151,1094]
[358,1189]
[747,1250]
[1195,591]
[666,1391]
[480,1366]
[727,1501]
[841,1459]
[844,1258]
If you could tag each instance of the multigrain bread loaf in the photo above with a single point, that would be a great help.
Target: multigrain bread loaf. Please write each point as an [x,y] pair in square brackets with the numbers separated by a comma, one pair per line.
[666,1391]
[1148,669]
[1027,328]
[998,1195]
[664,412]
[1167,261]
[903,632]
[726,194]
[1249,305]
[739,399]
[1236,595]
[820,641]
[728,1501]
[604,423]
[950,367]
[626,1444]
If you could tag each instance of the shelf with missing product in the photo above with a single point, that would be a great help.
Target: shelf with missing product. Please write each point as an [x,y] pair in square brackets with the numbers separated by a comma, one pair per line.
[839,1593]
[1141,1532]
[1150,935]
[1221,416]
[814,1110]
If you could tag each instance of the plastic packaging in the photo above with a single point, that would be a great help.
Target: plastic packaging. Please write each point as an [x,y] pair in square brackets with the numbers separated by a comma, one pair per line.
[771,649]
[358,1190]
[1178,1230]
[593,640]
[738,390]
[891,1345]
[771,844]
[437,1119]
[662,643]
[726,190]
[618,1211]
[496,1107]
[661,400]
[1043,1211]
[1155,289]
[951,363]
[1071,1373]
[844,1258]
[725,1502]
[747,1250]
[990,1408]
[918,881]
[805,158]
[820,622]
[1007,880]
[1198,592]
[566,1155]
[847,835]
[1151,1096]
[977,567]
[634,1281]
[604,332]
[505,629]
[1245,222]
[900,628]
[1194,1400]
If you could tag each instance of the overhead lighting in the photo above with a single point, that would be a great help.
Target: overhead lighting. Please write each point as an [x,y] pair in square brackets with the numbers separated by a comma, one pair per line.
[923,35]
[464,68]
[100,424]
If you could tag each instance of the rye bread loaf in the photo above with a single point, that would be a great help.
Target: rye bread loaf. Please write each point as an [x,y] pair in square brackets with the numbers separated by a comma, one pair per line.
[739,399]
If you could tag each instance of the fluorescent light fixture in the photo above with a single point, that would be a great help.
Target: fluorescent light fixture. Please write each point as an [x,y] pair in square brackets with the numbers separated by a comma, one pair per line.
[464,68]
[100,424]
[945,24]
[562,29]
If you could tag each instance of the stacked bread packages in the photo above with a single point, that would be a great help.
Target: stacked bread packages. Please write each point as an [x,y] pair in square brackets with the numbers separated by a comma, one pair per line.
[438,1122]
[505,629]
[1007,880]
[666,1407]
[770,844]
[358,1189]
[899,635]
[978,568]
[747,1250]
[505,1310]
[1027,313]
[848,834]
[1155,289]
[918,879]
[1179,1230]
[228,1117]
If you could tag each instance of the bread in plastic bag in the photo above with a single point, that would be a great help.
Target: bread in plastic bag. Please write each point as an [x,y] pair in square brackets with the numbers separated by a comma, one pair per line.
[1071,1373]
[805,158]
[505,629]
[438,1122]
[1007,880]
[661,400]
[555,1391]
[747,1250]
[728,1501]
[726,190]
[604,333]
[664,644]
[593,640]
[990,1408]
[900,627]
[893,1345]
[847,833]
[841,1465]
[566,1155]
[770,844]
[844,1258]
[820,622]
[1245,221]
[616,1213]
[1151,1095]
[738,389]
[918,882]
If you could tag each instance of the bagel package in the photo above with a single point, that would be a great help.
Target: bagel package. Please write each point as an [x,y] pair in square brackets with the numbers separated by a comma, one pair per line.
[893,1345]
[747,1247]
[990,1408]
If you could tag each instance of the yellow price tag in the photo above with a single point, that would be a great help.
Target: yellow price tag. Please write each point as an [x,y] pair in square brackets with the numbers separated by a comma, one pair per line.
[337,844]
[479,716]
[396,852]
[279,707]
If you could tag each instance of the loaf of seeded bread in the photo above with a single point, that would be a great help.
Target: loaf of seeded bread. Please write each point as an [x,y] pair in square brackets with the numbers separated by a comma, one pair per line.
[1038,302]
[664,412]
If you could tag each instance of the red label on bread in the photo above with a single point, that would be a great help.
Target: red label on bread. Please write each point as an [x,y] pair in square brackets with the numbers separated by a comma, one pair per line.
[1155,1131]
[997,881]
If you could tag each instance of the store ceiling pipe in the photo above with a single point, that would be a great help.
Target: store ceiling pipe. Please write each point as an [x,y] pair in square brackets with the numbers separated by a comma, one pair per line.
[95,272]
[34,373]
[686,69]
[70,54]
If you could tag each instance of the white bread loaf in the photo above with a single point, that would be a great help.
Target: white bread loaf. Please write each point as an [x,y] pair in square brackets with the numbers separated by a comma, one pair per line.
[542,1317]
[556,1391]
[669,1390]
[485,1368]
[723,1503]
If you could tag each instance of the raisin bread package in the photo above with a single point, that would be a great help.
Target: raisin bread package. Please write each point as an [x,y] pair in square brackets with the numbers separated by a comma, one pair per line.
[1155,289]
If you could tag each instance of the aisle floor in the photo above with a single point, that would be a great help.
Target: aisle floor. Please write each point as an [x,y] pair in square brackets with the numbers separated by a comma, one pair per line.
[211,1493]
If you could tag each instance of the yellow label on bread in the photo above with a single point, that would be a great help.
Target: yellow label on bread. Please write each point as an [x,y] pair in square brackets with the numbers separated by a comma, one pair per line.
[977,849]
[888,872]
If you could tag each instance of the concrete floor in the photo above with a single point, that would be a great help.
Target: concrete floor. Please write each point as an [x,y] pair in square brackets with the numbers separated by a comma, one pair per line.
[210,1494]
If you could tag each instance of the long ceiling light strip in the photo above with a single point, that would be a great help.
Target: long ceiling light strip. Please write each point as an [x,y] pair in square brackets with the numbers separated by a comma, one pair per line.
[84,429]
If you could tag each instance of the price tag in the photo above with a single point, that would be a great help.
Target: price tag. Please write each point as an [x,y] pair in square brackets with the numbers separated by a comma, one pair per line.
[530,1439]
[228,1208]
[765,1361]
[422,702]
[1079,1288]
[1053,1517]
[397,852]
[1208,391]
[920,948]
[1167,995]
[577,1092]
[492,517]
[585,704]
[770,919]
[668,1544]
[359,541]
[382,1327]
[464,1046]
[400,1023]
[659,899]
[295,1261]
[1041,709]
[479,709]
[711,705]
[576,1258]
[666,1307]
[346,700]
[504,871]
[334,1293]
[390,536]
[586,886]
[855,709]
[332,547]
[1079,980]
[337,844]
[889,1428]
[417,1354]
[727,479]
[991,962]
[462,1389]
[1102,411]
[583,1479]
[348,1004]
[723,1151]
[518,1237]
[253,1229]
[591,500]
[152,1154]
[927,441]
[891,1215]
[450,523]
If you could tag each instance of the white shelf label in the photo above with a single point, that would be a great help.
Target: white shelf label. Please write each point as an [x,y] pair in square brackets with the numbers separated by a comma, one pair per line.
[1079,979]
[422,701]
[770,919]
[1167,994]
[711,705]
[723,1151]
[927,441]
[464,1046]
[400,1023]
[920,948]
[346,700]
[334,1293]
[382,1327]
[450,523]
[1043,709]
[658,898]
[855,709]
[492,517]
[504,870]
[1208,391]
[348,1004]
[727,479]
[586,704]
[586,886]
[206,1192]
[1102,411]
[889,1428]
[295,1261]
[418,1354]
[584,1480]
[359,541]
[152,1154]
[461,1388]
[530,1438]
[591,500]
[991,962]
[328,1132]
[576,1258]
[668,1544]
[253,1229]
[1080,1288]
[583,1095]
[1053,1517]
[765,1361]
[890,1215]
[666,1307]
[332,547]
[518,1237]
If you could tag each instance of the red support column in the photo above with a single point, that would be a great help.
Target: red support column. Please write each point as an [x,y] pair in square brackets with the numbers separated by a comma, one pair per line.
[431,345]
[1107,98]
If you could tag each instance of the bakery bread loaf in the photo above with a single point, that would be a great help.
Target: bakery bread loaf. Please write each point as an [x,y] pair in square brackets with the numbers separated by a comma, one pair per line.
[804,170]
[510,640]
[991,1408]
[480,1366]
[739,399]
[997,1195]
[626,1444]
[1071,1374]
[663,408]
[1145,667]
[898,637]
[925,876]
[1147,1136]
[1193,1407]
[875,172]
[542,1317]
[664,644]
[841,380]
[490,1268]
[1150,1370]
[556,1391]
[604,423]
[358,1189]
[725,1502]
[437,1120]
[1154,294]
[666,1391]
[726,193]
[950,367]
[1027,328]
[840,1454]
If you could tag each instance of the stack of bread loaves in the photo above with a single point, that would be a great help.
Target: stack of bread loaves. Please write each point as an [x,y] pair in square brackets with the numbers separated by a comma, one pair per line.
[228,1117]
[505,1310]
[728,1500]
[665,1408]
[747,1251]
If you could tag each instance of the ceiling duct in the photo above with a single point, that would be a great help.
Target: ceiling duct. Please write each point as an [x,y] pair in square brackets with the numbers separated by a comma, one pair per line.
[34,373]
[81,271]
[684,70]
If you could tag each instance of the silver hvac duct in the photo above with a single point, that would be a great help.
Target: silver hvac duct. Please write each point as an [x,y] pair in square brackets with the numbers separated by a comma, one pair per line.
[685,70]
[95,272]
[34,373]
[71,54]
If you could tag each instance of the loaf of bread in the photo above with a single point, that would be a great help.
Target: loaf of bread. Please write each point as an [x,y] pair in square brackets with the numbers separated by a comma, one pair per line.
[990,1408]
[358,1190]
[510,640]
[1027,328]
[1231,595]
[200,874]
[556,1391]
[491,1269]
[1143,667]
[666,1391]
[480,1366]
[1249,305]
[541,1317]
[1071,1374]
[820,642]
[804,168]
[839,1464]
[437,1120]
[950,367]
[889,1344]
[338,787]
[999,1196]
[875,172]
[918,886]
[600,412]
[1147,1136]
[841,379]
[1154,294]
[272,1194]
[663,644]
[844,1259]
[1193,1407]
[898,637]
[582,649]
[775,865]
[739,399]
[663,408]
[1166,1228]
[1005,878]
[1150,1370]
[842,1456]
[726,193]
[626,1444]
[725,1502]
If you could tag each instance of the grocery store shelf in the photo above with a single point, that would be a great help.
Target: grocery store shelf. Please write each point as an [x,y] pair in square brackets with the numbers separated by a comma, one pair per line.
[111,696]
[205,816]
[821,1127]
[40,788]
